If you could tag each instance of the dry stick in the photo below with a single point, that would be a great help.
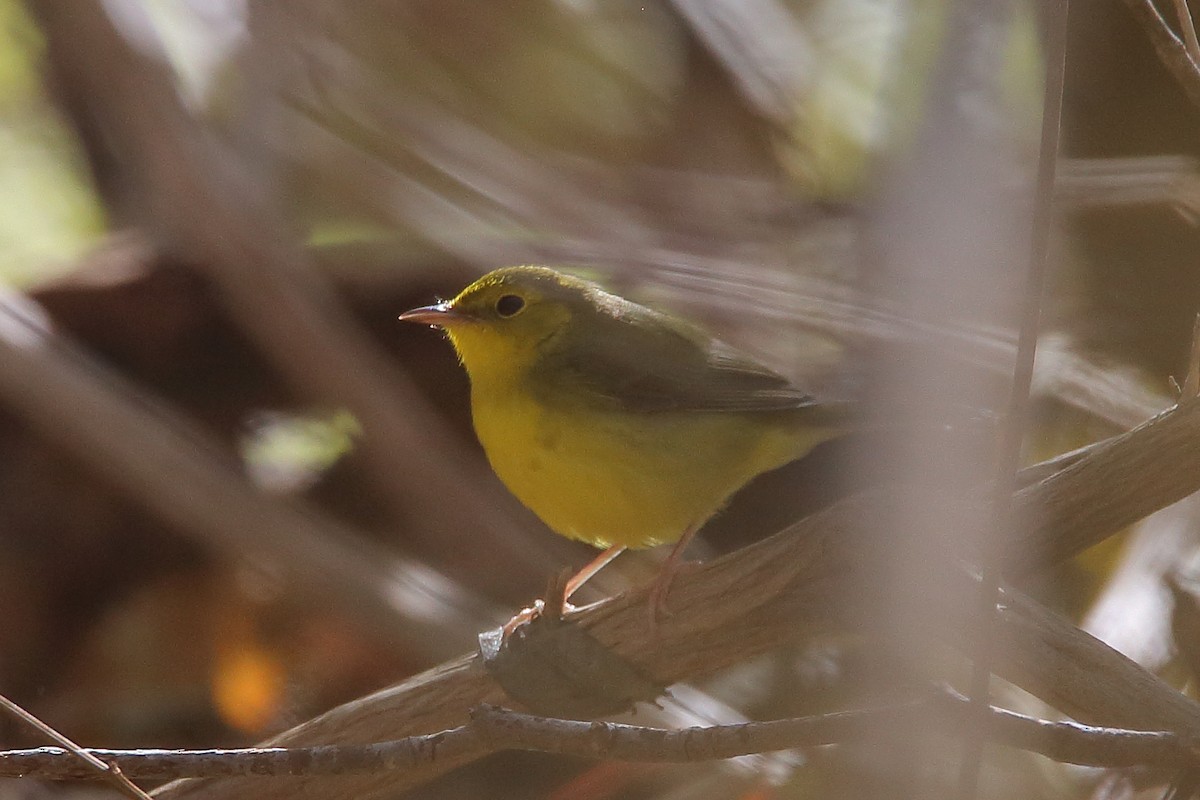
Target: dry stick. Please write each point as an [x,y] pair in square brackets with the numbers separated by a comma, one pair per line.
[324,760]
[94,765]
[200,200]
[1067,742]
[1189,30]
[791,586]
[1171,52]
[1016,416]
[1190,389]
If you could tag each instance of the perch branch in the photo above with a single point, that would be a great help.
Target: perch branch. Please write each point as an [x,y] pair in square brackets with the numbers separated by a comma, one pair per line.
[791,586]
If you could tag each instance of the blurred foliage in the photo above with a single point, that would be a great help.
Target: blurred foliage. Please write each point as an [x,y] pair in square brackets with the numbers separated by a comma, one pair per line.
[288,453]
[51,216]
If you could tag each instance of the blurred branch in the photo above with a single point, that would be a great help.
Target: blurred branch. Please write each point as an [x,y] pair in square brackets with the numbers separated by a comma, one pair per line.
[794,585]
[189,482]
[1067,742]
[198,197]
[761,45]
[500,180]
[1090,183]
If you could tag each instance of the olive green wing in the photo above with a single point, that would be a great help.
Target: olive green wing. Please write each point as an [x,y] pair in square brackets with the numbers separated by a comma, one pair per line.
[643,361]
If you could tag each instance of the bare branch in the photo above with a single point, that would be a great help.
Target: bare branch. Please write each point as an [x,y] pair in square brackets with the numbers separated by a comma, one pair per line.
[1189,30]
[504,729]
[1171,52]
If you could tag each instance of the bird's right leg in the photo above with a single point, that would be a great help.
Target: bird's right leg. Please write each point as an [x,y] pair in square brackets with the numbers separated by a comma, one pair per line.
[595,565]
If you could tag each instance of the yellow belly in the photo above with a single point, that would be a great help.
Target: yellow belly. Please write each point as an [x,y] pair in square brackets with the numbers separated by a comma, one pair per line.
[608,477]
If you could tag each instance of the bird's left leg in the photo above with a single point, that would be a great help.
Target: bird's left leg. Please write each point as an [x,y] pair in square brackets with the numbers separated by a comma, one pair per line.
[666,574]
[584,575]
[573,583]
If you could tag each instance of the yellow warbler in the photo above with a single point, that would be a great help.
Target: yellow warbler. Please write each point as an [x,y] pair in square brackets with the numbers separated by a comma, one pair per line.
[617,424]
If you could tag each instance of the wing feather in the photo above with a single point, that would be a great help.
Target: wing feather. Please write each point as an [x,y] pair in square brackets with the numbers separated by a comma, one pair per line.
[641,360]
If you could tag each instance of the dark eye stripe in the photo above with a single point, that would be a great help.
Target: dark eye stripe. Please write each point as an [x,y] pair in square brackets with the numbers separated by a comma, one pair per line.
[509,304]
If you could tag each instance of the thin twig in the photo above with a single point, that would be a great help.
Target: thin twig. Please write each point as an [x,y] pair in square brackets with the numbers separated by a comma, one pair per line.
[1171,52]
[96,767]
[1189,30]
[1191,381]
[348,759]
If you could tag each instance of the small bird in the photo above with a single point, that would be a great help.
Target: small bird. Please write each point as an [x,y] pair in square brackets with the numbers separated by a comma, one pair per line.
[617,424]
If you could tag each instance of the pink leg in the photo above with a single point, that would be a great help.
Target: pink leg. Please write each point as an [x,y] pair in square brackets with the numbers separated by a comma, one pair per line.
[662,583]
[595,565]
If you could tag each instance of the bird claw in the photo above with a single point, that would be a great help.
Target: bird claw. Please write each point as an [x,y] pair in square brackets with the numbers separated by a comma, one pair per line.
[556,603]
[659,591]
[523,617]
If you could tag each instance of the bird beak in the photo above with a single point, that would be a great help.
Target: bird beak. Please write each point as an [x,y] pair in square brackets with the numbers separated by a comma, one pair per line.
[438,315]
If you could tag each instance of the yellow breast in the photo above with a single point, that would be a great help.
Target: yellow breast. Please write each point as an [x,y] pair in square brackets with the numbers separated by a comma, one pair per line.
[609,477]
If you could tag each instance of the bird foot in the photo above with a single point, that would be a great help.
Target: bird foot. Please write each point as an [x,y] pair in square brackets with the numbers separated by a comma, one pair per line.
[660,589]
[556,604]
[524,617]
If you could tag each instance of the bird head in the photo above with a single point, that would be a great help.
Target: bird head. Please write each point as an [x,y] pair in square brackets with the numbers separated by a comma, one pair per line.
[502,322]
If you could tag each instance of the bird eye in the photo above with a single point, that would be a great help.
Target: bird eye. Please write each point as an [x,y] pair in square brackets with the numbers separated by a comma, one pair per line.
[509,305]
